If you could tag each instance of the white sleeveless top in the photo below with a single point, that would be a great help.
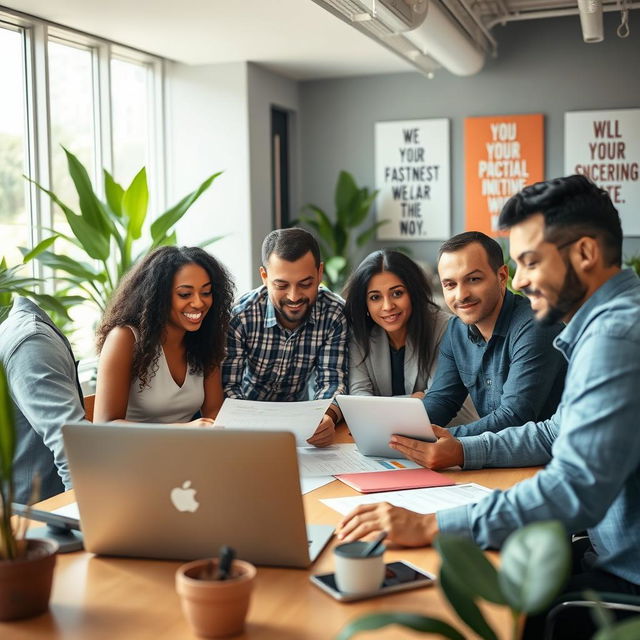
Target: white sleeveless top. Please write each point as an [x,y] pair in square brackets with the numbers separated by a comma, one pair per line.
[164,401]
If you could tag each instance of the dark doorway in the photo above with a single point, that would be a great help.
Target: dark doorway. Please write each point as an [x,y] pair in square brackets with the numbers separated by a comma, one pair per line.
[280,206]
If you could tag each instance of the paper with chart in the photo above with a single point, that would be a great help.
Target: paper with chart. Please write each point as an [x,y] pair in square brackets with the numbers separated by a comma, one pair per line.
[418,500]
[344,458]
[301,418]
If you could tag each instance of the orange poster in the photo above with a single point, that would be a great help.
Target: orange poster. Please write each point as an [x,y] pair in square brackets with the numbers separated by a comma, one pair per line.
[503,154]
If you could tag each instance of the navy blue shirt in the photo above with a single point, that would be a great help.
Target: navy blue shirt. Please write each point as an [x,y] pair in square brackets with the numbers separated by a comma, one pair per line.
[515,377]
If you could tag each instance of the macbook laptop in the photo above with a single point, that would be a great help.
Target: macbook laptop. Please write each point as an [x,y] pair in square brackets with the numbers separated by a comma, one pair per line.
[372,420]
[180,493]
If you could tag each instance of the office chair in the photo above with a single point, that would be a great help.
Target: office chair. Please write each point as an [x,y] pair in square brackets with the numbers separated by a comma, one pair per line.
[617,602]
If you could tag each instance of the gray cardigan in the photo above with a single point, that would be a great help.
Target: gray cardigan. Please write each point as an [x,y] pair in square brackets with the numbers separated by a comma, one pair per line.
[372,376]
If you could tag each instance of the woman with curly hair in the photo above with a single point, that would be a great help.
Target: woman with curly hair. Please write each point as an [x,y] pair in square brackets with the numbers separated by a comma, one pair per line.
[161,340]
[396,329]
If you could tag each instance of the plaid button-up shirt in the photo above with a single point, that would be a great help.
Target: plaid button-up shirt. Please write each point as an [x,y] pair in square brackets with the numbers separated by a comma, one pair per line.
[265,361]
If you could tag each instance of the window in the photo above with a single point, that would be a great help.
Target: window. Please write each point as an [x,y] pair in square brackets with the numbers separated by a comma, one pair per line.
[97,99]
[14,216]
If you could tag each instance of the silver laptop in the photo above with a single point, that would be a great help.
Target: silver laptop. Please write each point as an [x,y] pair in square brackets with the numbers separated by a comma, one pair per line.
[372,421]
[180,493]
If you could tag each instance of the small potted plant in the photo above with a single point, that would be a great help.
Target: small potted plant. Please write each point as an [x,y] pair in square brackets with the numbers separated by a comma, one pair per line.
[216,593]
[26,566]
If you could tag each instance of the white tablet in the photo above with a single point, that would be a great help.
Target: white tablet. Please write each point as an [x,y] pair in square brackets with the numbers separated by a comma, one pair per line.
[372,421]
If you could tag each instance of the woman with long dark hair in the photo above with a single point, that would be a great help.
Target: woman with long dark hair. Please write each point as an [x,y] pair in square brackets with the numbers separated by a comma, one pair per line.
[396,329]
[162,340]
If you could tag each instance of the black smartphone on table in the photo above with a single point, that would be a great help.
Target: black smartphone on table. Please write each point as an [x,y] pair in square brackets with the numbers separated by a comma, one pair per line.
[399,576]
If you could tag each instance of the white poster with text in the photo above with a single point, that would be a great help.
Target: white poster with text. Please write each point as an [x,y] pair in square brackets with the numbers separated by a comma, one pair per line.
[413,177]
[605,146]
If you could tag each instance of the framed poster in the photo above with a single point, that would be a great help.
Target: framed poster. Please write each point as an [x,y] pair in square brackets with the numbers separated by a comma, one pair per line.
[413,177]
[605,146]
[503,154]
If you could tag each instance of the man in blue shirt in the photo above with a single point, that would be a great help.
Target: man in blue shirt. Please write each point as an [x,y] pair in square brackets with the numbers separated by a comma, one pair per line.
[493,350]
[289,332]
[43,384]
[566,239]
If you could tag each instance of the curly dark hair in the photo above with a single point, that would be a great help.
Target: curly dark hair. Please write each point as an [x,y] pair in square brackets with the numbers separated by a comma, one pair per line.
[421,323]
[143,300]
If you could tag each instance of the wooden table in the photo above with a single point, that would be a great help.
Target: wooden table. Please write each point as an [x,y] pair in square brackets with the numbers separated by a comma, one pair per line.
[97,598]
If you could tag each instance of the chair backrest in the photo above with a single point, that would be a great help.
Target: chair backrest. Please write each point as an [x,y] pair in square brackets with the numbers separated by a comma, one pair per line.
[89,401]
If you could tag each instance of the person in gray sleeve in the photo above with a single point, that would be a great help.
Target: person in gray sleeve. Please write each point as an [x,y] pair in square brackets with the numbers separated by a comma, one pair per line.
[43,383]
[566,239]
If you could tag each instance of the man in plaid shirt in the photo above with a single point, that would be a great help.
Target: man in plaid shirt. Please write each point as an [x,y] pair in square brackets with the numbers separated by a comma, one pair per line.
[289,331]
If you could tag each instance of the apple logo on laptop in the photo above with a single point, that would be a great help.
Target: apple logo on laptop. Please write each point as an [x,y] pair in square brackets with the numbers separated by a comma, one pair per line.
[184,498]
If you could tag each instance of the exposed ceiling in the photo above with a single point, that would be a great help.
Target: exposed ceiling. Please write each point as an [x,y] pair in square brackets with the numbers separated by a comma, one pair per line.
[304,39]
[296,38]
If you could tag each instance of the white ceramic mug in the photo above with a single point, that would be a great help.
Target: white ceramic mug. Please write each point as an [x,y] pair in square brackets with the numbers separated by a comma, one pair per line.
[355,573]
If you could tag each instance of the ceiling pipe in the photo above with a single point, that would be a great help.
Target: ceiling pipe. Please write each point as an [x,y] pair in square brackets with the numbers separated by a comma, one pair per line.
[441,39]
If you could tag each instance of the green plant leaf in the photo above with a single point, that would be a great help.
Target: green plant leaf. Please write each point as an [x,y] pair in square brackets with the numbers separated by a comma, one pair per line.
[92,209]
[206,243]
[361,211]
[464,605]
[161,226]
[323,226]
[69,265]
[135,202]
[346,191]
[7,430]
[52,303]
[468,566]
[114,193]
[93,242]
[409,620]
[626,630]
[370,233]
[333,267]
[38,249]
[534,565]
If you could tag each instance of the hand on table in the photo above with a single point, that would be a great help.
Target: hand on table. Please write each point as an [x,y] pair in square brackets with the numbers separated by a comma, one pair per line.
[325,433]
[417,394]
[403,527]
[201,422]
[446,452]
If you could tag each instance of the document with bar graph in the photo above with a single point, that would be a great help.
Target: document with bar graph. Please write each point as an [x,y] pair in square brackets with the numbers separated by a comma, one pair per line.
[344,458]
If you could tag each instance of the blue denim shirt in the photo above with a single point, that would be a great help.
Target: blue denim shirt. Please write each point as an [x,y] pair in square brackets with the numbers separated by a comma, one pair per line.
[591,444]
[514,377]
[43,385]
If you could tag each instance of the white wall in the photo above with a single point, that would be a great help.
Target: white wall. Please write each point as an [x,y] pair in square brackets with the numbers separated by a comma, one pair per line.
[265,90]
[208,131]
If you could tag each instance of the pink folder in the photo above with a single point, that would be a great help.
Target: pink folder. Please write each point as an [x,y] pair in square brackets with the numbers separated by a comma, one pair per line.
[372,481]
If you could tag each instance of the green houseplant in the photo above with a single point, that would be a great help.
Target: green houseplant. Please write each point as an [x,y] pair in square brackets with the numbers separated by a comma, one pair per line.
[26,566]
[352,205]
[108,233]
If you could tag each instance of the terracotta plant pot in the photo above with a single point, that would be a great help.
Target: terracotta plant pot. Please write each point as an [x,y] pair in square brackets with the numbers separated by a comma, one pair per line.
[215,608]
[25,583]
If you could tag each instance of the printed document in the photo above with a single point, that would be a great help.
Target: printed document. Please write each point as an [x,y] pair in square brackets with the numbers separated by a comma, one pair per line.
[301,418]
[419,500]
[344,458]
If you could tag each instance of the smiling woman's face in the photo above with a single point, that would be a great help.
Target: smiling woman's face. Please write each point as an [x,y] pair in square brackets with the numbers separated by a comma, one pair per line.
[191,297]
[389,302]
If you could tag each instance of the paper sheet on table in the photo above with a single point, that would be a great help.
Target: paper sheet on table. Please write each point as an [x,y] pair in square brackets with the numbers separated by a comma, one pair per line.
[419,500]
[301,418]
[309,484]
[344,458]
[69,510]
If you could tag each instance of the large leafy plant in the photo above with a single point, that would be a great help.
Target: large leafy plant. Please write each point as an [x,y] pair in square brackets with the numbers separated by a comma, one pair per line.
[534,564]
[336,236]
[109,233]
[9,548]
[13,281]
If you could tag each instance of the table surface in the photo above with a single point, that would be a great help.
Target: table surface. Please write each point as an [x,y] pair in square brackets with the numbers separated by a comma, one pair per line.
[97,598]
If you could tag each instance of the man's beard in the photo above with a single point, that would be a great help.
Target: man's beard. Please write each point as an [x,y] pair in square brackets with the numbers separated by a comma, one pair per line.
[570,295]
[282,310]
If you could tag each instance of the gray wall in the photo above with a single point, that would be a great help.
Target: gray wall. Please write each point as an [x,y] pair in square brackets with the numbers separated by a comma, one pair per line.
[542,67]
